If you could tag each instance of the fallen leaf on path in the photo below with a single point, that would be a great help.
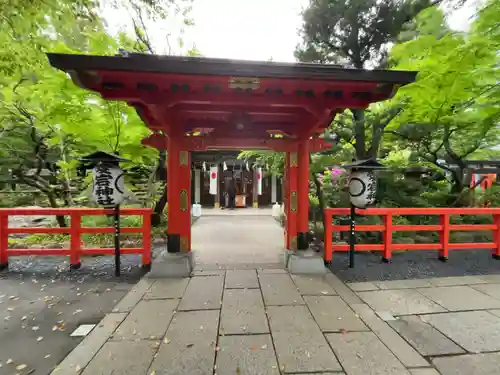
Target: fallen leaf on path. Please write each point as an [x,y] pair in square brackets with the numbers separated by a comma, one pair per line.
[77,312]
[77,368]
[47,356]
[166,341]
[10,309]
[35,328]
[24,317]
[189,345]
[9,361]
[39,338]
[21,367]
[263,347]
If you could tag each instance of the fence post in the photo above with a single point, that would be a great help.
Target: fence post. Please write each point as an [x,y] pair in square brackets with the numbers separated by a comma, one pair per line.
[4,241]
[75,241]
[496,237]
[146,241]
[387,239]
[328,254]
[444,237]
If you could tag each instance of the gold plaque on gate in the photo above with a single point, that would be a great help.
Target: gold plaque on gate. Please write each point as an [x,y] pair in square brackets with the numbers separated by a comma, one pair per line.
[183,158]
[293,159]
[184,200]
[244,83]
[293,201]
[293,243]
[184,245]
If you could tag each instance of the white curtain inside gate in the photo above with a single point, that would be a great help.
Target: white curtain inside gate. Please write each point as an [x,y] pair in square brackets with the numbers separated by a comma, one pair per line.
[213,180]
[259,181]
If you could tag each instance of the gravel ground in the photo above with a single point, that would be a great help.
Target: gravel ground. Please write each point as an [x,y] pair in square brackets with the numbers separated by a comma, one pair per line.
[414,265]
[42,303]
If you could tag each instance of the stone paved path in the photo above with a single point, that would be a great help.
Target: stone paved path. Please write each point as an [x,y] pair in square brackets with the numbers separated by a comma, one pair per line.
[267,322]
[231,239]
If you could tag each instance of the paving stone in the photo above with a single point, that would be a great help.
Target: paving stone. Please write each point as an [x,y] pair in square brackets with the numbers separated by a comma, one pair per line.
[271,271]
[238,279]
[246,355]
[167,288]
[362,287]
[456,298]
[299,343]
[404,284]
[362,353]
[495,312]
[475,331]
[189,346]
[312,285]
[423,337]
[279,290]
[456,280]
[133,297]
[332,314]
[342,290]
[122,357]
[477,364]
[88,348]
[400,302]
[202,293]
[243,312]
[396,344]
[148,320]
[494,279]
[217,272]
[424,371]
[493,290]
[385,315]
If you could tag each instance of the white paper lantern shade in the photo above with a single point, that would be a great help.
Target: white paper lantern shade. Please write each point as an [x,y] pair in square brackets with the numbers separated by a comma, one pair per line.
[362,188]
[108,185]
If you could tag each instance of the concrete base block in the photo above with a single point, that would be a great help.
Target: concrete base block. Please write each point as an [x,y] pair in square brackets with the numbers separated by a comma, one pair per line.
[286,257]
[172,265]
[306,262]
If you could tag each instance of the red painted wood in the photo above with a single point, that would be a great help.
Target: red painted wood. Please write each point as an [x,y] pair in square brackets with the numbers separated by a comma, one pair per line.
[303,187]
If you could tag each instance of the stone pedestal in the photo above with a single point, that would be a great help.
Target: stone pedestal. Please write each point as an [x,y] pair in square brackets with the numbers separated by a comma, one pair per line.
[305,262]
[172,265]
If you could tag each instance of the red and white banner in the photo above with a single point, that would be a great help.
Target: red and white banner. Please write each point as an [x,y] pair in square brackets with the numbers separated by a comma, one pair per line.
[213,180]
[259,181]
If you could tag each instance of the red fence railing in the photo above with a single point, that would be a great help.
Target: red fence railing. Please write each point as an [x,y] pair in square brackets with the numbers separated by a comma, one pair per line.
[388,228]
[75,231]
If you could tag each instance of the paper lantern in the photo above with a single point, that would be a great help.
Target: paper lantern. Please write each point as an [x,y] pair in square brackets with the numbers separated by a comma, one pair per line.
[362,188]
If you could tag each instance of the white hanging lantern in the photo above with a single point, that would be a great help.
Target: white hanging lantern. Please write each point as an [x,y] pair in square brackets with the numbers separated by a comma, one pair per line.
[213,180]
[108,185]
[362,188]
[259,181]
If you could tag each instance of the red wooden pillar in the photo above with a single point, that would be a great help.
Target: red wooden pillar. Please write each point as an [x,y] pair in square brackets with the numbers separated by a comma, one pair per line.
[179,192]
[291,197]
[185,200]
[303,192]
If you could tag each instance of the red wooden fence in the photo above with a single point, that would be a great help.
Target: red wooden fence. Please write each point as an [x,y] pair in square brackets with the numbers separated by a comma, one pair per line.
[75,231]
[388,228]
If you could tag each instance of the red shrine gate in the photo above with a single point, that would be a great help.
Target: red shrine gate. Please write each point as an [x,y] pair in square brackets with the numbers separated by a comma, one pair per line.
[195,104]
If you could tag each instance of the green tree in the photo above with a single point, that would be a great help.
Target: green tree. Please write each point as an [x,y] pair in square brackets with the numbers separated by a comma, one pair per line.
[358,34]
[452,112]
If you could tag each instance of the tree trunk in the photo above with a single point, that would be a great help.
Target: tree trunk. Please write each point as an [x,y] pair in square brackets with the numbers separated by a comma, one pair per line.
[359,133]
[51,196]
[157,216]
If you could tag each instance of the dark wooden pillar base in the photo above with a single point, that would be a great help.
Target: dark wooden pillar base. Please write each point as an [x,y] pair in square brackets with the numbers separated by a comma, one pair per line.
[302,241]
[174,243]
